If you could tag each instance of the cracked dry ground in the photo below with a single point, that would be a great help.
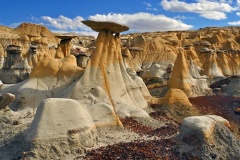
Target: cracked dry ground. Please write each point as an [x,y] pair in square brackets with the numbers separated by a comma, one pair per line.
[163,145]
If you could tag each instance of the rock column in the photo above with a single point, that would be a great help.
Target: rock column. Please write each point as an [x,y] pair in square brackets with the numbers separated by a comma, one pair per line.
[13,56]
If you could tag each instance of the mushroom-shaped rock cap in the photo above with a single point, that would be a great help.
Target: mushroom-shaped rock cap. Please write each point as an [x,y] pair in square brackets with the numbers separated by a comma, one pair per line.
[13,48]
[65,37]
[105,25]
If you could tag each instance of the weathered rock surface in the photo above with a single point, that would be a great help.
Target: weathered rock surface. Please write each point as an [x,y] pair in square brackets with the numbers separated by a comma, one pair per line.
[98,96]
[208,137]
[185,76]
[216,50]
[6,99]
[74,101]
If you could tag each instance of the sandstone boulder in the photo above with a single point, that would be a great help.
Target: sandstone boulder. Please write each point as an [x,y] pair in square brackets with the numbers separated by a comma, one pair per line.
[60,126]
[208,137]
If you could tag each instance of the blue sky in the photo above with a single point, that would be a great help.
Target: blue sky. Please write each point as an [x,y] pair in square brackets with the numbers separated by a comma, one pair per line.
[139,15]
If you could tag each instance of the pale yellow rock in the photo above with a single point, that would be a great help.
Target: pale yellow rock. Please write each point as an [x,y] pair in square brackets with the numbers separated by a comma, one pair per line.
[153,50]
[210,67]
[69,67]
[223,62]
[192,53]
[180,78]
[49,67]
[65,44]
[59,53]
[35,30]
[24,42]
[175,96]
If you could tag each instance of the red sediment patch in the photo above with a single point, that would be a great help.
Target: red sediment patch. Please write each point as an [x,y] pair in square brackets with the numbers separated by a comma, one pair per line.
[156,149]
[219,105]
[135,126]
[151,150]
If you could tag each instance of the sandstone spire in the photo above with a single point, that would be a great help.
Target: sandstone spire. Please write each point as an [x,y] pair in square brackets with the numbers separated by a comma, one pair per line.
[106,76]
[180,76]
[65,44]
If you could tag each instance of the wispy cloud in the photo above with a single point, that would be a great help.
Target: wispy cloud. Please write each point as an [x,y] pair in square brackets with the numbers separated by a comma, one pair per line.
[152,9]
[234,23]
[147,4]
[238,13]
[33,18]
[182,17]
[213,9]
[149,7]
[139,22]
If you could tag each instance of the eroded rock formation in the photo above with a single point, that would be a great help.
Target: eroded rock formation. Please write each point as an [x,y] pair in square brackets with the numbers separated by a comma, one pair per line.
[76,93]
[105,90]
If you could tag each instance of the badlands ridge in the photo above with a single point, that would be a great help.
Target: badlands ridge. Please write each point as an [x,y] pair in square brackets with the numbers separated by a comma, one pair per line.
[153,95]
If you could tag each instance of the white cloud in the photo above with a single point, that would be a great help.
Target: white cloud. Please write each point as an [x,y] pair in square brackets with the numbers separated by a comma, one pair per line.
[82,32]
[238,2]
[64,23]
[139,22]
[238,13]
[212,9]
[142,22]
[234,23]
[215,15]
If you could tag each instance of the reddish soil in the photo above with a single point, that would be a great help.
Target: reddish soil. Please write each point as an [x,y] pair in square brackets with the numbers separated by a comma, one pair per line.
[219,105]
[154,149]
[163,149]
[133,125]
[166,149]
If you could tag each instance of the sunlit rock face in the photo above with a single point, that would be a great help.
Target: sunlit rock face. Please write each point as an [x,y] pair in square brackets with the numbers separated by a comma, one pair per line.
[107,74]
[105,80]
[146,51]
[96,97]
[185,76]
[47,80]
[75,92]
[163,47]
